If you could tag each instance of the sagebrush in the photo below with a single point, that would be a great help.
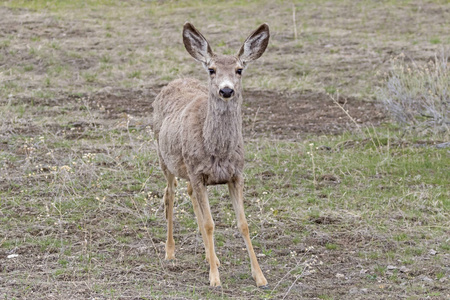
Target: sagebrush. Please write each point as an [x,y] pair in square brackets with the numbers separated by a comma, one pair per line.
[417,95]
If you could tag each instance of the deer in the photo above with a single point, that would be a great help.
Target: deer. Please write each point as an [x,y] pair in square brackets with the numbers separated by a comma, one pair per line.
[198,132]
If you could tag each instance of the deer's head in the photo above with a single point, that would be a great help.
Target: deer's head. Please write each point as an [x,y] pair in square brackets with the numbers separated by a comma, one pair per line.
[225,71]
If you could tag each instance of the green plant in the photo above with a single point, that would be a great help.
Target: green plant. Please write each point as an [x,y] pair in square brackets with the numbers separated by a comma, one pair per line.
[330,246]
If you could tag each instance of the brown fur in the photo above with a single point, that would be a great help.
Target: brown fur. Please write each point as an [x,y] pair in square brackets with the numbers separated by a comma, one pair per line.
[196,140]
[199,135]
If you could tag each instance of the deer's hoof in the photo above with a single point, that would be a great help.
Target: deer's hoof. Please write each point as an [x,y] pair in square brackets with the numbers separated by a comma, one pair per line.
[169,256]
[214,279]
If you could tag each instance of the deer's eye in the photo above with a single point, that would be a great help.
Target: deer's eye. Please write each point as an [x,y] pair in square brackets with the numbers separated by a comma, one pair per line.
[239,71]
[212,71]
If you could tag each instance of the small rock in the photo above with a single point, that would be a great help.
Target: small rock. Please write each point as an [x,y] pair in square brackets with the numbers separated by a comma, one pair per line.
[329,177]
[432,252]
[105,90]
[324,147]
[364,291]
[392,267]
[12,256]
[339,275]
[443,145]
[404,269]
[261,255]
[426,278]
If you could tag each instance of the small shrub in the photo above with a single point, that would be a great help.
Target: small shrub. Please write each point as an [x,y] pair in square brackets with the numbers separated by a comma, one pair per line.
[330,246]
[418,95]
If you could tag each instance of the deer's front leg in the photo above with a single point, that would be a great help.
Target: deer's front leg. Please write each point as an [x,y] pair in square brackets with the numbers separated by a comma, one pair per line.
[207,223]
[236,193]
[200,224]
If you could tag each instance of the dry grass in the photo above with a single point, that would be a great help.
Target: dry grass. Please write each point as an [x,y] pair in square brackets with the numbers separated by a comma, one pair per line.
[340,46]
[418,95]
[356,215]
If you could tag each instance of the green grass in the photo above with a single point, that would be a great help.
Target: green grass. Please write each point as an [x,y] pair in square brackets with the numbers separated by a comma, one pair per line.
[81,189]
[368,174]
[435,40]
[330,246]
[382,183]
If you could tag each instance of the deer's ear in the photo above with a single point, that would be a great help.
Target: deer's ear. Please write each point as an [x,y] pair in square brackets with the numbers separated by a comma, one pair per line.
[255,45]
[196,44]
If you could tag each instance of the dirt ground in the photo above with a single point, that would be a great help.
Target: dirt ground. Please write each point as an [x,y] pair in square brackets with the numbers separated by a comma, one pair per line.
[133,267]
[278,115]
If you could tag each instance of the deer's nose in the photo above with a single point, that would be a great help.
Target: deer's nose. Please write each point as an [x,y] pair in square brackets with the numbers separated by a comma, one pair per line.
[226,92]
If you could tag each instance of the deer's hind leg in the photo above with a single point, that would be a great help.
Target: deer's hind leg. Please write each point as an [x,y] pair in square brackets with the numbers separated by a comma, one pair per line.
[169,195]
[237,199]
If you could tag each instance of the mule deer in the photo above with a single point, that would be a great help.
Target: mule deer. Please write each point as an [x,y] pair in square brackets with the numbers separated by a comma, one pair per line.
[199,135]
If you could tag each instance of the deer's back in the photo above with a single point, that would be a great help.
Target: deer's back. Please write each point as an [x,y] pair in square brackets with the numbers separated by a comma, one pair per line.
[174,99]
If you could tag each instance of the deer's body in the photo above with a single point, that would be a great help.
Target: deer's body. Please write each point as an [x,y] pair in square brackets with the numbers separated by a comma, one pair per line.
[191,134]
[199,135]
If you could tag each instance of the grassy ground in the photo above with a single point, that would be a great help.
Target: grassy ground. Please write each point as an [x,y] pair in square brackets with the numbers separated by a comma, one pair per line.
[363,214]
[333,46]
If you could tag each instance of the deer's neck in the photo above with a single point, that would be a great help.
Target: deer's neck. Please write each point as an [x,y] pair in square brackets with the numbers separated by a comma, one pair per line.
[222,131]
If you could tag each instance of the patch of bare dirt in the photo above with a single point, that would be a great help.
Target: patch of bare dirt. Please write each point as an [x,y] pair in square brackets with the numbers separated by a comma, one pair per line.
[289,116]
[266,113]
[116,102]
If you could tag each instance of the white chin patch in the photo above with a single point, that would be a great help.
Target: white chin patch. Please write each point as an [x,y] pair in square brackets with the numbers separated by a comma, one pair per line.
[226,84]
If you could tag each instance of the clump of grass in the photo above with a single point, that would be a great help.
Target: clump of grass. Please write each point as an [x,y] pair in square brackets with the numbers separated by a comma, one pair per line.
[418,95]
